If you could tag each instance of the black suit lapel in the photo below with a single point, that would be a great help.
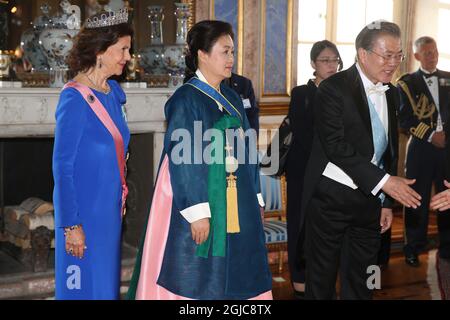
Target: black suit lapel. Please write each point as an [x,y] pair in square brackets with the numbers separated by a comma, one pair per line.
[392,114]
[360,98]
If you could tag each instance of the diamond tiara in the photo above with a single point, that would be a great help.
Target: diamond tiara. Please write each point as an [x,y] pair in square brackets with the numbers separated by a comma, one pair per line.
[108,19]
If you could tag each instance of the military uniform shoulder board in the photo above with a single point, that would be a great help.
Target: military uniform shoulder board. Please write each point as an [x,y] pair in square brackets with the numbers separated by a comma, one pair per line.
[403,77]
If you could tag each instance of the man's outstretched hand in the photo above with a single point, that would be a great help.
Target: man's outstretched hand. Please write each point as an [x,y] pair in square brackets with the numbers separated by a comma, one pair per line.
[399,189]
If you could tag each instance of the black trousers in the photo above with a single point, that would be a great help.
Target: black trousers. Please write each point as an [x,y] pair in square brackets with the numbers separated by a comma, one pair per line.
[384,254]
[342,233]
[293,217]
[426,164]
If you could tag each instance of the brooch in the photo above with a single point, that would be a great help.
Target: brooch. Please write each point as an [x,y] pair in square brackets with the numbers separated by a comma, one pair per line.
[91,98]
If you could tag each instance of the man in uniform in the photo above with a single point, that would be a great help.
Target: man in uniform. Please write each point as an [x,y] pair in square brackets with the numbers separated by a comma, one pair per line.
[424,114]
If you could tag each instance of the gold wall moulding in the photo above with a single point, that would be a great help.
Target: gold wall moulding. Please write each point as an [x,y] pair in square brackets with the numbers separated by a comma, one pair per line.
[34,79]
[273,109]
[192,8]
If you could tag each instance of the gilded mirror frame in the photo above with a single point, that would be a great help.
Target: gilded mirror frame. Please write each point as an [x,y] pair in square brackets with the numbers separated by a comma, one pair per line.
[192,8]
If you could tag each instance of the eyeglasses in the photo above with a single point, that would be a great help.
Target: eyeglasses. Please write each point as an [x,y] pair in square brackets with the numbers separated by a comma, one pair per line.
[390,57]
[330,61]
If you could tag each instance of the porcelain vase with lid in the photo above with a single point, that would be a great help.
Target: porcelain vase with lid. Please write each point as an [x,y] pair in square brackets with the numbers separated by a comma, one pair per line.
[57,41]
[29,41]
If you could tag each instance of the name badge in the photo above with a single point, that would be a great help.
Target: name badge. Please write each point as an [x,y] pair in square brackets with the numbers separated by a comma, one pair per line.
[247,104]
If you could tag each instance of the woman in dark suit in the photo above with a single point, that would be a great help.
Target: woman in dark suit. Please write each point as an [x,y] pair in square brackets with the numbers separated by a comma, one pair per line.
[326,61]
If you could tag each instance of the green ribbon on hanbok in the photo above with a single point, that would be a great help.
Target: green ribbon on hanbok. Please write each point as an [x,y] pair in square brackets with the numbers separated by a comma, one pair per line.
[217,193]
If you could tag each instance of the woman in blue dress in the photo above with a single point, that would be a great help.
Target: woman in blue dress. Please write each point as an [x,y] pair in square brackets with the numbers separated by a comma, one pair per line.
[89,183]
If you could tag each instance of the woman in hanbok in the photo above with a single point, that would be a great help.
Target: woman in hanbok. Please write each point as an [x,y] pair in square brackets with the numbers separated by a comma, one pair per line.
[204,237]
[91,140]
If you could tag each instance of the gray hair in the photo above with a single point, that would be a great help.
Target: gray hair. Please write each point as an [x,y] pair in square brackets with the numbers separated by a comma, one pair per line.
[370,33]
[422,41]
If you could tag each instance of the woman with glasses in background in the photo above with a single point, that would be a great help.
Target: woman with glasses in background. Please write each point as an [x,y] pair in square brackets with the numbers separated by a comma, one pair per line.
[326,61]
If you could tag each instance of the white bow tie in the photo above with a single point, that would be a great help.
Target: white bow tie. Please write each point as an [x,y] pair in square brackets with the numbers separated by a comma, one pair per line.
[379,89]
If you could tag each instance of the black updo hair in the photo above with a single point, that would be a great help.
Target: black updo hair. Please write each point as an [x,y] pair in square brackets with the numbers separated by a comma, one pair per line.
[319,46]
[202,36]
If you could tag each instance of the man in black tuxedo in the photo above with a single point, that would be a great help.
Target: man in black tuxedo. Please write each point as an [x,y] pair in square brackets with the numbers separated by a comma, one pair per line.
[425,115]
[244,88]
[351,177]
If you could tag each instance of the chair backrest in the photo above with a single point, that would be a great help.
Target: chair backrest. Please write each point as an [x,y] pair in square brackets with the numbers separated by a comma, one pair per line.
[273,190]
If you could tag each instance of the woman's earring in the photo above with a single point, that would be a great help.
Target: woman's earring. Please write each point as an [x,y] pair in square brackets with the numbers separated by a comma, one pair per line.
[99,63]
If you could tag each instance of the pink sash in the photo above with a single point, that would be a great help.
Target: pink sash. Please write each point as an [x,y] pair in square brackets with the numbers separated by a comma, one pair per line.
[104,117]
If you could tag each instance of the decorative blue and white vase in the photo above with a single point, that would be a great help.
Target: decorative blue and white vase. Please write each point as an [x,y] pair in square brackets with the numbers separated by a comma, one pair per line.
[152,60]
[29,41]
[175,64]
[57,40]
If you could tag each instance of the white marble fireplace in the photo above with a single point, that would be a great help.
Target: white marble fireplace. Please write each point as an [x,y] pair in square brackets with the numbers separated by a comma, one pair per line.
[30,112]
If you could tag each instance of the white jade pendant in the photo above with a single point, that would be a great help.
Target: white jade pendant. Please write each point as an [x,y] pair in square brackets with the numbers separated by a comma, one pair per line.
[231,164]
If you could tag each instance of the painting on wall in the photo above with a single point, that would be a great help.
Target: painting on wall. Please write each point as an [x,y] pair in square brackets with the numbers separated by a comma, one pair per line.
[228,10]
[276,58]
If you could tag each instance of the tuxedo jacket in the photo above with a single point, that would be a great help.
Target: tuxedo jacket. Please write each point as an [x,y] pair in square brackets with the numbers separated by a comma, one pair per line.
[343,135]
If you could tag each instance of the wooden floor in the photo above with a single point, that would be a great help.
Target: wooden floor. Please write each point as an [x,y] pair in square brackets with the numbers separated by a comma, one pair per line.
[398,281]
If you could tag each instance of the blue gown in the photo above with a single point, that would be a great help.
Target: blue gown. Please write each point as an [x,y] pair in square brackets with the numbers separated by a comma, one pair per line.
[88,191]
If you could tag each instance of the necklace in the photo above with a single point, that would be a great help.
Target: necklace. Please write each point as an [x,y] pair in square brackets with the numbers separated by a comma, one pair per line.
[105,91]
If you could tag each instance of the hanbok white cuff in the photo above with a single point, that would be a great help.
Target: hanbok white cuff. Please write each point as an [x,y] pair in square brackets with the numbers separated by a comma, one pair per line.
[261,200]
[196,212]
